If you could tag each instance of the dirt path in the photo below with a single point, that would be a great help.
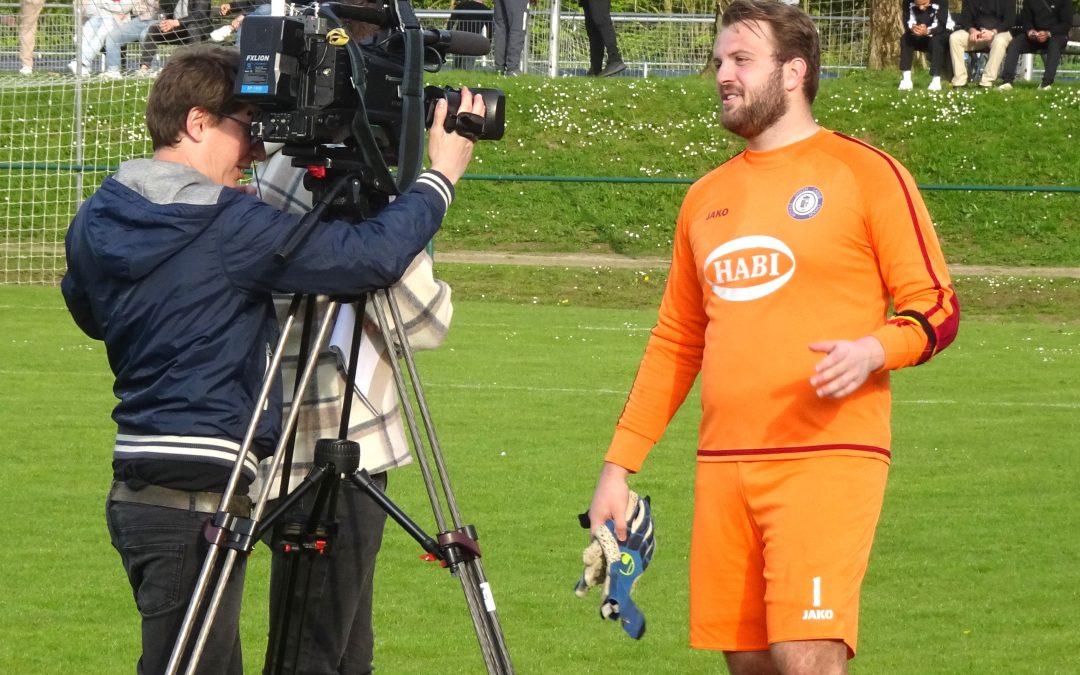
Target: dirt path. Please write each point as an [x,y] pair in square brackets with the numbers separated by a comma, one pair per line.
[612,260]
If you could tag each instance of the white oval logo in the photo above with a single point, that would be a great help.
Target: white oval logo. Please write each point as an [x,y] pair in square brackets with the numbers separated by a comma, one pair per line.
[805,204]
[749,268]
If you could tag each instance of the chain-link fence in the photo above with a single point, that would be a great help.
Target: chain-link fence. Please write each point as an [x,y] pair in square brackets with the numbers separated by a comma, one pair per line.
[73,86]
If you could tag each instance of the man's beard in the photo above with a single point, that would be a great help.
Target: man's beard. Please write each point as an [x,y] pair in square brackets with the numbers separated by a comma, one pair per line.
[760,109]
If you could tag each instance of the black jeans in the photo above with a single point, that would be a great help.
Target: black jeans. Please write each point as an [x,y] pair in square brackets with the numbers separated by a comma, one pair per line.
[337,634]
[163,551]
[1051,51]
[601,33]
[934,45]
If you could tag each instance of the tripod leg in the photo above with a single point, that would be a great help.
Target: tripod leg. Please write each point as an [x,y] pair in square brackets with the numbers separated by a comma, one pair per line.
[223,519]
[477,591]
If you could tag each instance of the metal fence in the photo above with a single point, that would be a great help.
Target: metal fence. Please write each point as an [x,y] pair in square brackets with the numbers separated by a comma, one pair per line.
[651,44]
[61,134]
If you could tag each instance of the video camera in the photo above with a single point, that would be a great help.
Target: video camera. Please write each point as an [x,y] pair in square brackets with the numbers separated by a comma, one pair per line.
[337,103]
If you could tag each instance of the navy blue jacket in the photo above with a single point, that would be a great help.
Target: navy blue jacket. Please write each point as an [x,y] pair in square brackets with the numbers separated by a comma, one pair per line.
[175,274]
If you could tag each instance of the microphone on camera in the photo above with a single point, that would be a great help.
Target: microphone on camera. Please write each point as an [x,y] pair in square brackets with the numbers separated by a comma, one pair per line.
[460,42]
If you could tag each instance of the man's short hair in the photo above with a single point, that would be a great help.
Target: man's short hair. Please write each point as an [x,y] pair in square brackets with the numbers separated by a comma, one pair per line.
[199,76]
[794,34]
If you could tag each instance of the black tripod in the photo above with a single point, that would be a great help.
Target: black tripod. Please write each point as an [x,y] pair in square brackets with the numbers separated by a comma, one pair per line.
[455,546]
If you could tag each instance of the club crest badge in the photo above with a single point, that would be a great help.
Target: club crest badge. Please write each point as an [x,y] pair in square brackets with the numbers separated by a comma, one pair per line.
[805,204]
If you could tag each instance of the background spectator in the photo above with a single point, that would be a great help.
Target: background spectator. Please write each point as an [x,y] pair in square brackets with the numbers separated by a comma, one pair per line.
[509,39]
[471,16]
[601,34]
[28,24]
[242,8]
[1045,25]
[175,28]
[144,13]
[99,18]
[926,29]
[984,25]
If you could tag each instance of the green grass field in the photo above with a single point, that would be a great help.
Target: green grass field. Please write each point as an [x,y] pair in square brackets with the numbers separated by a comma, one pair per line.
[974,569]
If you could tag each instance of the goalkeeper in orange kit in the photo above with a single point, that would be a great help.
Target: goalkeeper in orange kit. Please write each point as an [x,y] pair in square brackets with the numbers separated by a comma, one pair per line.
[804,270]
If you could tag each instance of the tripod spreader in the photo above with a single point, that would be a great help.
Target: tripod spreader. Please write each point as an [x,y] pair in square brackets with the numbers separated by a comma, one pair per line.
[459,546]
[362,480]
[231,531]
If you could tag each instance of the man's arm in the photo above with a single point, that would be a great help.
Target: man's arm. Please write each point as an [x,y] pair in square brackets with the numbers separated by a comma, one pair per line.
[926,311]
[941,19]
[668,370]
[342,257]
[197,21]
[79,307]
[424,301]
[610,499]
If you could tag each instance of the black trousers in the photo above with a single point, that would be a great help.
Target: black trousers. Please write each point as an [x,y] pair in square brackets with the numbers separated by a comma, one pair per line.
[934,45]
[163,551]
[1051,51]
[337,635]
[601,33]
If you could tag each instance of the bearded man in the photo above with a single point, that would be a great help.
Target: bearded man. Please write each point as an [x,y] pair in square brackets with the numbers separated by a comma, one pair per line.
[787,260]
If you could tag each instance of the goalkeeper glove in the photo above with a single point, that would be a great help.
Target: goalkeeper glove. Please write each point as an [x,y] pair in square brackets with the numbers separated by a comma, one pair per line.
[618,565]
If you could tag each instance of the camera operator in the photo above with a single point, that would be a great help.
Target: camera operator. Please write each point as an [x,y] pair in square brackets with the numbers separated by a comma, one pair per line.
[173,267]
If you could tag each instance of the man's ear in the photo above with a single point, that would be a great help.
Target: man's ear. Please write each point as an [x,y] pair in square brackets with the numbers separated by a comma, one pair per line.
[198,121]
[794,74]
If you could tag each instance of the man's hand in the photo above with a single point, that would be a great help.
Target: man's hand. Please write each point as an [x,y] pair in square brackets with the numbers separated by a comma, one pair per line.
[610,500]
[919,30]
[224,9]
[168,25]
[451,152]
[846,366]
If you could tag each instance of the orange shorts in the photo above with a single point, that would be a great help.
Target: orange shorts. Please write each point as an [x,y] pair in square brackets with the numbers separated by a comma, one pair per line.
[780,548]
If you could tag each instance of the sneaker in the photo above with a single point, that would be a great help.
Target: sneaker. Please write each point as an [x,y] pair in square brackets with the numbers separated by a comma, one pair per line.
[26,70]
[74,68]
[1005,87]
[905,85]
[112,75]
[220,34]
[1044,87]
[612,69]
[146,72]
[935,85]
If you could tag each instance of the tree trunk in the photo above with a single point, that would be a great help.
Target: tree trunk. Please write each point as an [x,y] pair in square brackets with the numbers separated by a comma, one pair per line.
[886,27]
[720,6]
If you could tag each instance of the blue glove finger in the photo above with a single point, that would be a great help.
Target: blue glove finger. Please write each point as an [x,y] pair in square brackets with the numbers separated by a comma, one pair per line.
[618,605]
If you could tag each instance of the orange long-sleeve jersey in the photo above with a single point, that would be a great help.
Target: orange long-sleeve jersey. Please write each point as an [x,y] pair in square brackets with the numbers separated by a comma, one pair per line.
[775,251]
